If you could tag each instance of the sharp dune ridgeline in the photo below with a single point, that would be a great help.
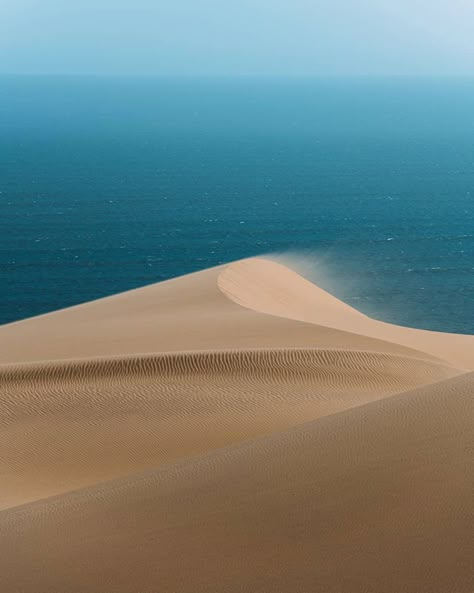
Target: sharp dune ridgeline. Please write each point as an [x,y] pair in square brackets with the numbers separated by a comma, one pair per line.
[234,430]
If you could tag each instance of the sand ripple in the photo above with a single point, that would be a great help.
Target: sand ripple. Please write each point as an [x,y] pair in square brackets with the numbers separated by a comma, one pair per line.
[67,424]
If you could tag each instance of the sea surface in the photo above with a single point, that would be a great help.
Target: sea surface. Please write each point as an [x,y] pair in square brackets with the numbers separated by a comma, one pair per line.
[110,184]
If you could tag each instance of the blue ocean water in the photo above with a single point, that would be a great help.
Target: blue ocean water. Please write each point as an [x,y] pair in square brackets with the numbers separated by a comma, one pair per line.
[110,184]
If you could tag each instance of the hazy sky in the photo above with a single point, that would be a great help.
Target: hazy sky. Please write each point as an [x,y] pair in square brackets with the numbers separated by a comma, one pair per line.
[254,37]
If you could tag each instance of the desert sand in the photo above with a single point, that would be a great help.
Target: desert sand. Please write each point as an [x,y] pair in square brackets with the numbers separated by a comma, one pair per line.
[234,430]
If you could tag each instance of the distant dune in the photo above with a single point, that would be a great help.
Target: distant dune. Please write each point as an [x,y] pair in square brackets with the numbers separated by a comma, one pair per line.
[234,430]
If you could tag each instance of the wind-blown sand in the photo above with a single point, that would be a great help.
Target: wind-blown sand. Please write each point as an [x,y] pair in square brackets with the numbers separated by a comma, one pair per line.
[234,430]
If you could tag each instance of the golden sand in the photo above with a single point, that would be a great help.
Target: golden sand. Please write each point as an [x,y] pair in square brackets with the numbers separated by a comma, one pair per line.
[234,430]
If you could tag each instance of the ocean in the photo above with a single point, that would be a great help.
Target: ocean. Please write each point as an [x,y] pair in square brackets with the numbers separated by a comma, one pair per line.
[111,184]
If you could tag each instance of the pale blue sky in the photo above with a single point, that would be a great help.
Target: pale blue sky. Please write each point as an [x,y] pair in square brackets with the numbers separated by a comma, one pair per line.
[237,37]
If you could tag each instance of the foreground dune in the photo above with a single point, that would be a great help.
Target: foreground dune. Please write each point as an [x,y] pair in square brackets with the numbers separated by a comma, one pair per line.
[238,429]
[377,498]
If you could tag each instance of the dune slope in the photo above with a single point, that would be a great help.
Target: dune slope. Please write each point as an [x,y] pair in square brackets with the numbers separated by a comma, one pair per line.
[66,425]
[193,312]
[237,429]
[275,289]
[374,499]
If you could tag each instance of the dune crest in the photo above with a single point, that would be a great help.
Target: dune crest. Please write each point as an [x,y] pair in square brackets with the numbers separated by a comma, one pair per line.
[270,287]
[237,429]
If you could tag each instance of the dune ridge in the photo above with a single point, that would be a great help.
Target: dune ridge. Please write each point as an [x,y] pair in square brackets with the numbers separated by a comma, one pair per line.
[237,429]
[194,312]
[277,290]
[222,361]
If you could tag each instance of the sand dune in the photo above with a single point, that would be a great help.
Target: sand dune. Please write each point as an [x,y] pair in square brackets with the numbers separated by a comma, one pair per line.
[238,429]
[189,313]
[277,290]
[377,498]
[71,424]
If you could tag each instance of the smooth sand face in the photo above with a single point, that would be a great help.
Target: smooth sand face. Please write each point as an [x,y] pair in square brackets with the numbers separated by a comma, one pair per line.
[238,429]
